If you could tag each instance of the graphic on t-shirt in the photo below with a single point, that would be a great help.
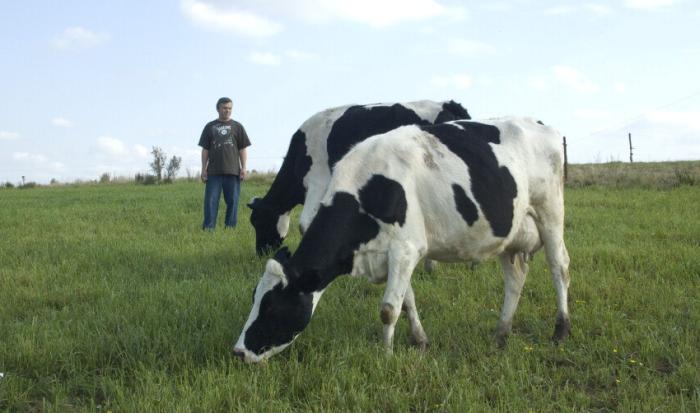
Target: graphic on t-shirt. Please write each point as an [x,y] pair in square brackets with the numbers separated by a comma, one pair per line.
[223,136]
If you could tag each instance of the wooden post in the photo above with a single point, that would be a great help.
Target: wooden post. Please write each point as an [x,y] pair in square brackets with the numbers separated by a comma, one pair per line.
[566,162]
[629,135]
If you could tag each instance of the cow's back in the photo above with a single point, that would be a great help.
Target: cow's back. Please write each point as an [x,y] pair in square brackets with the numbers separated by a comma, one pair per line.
[332,133]
[467,193]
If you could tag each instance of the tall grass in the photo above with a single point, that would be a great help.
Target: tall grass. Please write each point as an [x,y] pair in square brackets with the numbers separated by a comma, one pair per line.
[648,175]
[112,298]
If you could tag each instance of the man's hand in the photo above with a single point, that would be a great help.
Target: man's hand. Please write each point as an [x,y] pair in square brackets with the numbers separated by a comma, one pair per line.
[243,174]
[204,176]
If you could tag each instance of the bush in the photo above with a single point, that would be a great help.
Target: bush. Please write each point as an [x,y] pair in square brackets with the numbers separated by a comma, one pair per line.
[28,185]
[158,163]
[172,168]
[105,178]
[9,185]
[146,179]
[684,177]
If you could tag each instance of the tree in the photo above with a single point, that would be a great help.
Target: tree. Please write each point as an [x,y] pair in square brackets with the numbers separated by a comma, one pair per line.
[173,167]
[158,162]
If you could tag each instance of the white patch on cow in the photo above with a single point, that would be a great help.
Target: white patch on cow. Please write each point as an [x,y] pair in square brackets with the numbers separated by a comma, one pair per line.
[317,128]
[275,269]
[283,225]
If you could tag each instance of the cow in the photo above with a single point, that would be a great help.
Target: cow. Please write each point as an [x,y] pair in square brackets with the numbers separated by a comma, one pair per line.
[317,146]
[462,191]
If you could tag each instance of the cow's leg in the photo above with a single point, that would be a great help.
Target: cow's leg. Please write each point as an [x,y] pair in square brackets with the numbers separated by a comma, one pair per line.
[417,333]
[514,274]
[402,261]
[318,182]
[551,228]
[283,224]
[429,265]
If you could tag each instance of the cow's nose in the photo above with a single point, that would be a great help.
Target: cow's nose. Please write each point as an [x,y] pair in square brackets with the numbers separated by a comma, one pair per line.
[239,353]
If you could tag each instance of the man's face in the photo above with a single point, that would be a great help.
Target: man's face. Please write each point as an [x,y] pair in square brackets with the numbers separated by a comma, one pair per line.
[225,111]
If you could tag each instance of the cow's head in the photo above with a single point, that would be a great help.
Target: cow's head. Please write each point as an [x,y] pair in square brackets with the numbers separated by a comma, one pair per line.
[452,110]
[282,308]
[270,228]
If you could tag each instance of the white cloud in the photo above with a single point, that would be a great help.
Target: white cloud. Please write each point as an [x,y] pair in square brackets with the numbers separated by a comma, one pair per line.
[210,14]
[598,9]
[76,38]
[299,55]
[497,6]
[558,10]
[57,166]
[574,79]
[689,120]
[8,136]
[594,8]
[265,59]
[115,148]
[250,17]
[61,122]
[457,81]
[620,87]
[111,146]
[375,13]
[469,48]
[29,157]
[538,83]
[648,4]
[592,114]
[141,151]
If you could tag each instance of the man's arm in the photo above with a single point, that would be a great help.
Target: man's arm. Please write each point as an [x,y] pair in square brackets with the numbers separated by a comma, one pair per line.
[205,161]
[243,154]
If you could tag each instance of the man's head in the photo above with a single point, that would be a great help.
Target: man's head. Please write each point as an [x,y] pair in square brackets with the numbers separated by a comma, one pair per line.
[224,106]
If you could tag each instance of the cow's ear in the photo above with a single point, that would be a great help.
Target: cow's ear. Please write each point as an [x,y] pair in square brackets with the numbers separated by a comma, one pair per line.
[275,269]
[283,255]
[253,203]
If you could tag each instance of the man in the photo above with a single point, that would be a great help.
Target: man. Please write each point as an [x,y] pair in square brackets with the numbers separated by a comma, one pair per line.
[224,142]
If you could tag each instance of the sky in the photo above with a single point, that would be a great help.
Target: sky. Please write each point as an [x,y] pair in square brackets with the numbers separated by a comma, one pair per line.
[90,87]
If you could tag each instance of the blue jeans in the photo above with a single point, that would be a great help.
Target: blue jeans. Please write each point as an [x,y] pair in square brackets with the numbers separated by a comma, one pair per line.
[231,186]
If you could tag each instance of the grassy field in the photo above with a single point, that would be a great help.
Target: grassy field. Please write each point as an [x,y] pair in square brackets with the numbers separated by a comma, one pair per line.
[112,299]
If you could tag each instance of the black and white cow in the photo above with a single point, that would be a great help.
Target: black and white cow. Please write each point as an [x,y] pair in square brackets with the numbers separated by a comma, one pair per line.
[459,191]
[315,148]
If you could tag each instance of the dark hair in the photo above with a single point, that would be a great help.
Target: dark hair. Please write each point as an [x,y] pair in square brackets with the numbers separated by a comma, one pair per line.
[222,101]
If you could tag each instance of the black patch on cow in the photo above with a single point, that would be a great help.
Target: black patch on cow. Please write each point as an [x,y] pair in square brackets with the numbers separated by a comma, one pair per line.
[385,199]
[465,206]
[284,313]
[327,248]
[360,122]
[286,192]
[493,186]
[452,111]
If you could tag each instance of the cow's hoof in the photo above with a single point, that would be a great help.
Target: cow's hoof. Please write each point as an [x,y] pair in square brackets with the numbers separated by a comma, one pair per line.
[422,343]
[500,340]
[562,329]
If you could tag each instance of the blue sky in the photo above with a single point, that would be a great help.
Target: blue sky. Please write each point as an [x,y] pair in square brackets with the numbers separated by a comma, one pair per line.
[88,87]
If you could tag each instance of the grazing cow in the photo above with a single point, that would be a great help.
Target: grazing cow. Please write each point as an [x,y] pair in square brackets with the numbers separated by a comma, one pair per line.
[316,147]
[459,191]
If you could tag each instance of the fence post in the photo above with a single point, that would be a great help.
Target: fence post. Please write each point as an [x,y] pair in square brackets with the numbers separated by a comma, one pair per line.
[566,162]
[629,135]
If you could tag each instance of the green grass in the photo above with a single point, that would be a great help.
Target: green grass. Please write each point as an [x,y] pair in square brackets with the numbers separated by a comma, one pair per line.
[111,298]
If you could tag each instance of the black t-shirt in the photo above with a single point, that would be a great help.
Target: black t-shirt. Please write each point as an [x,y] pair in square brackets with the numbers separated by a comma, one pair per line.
[224,140]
